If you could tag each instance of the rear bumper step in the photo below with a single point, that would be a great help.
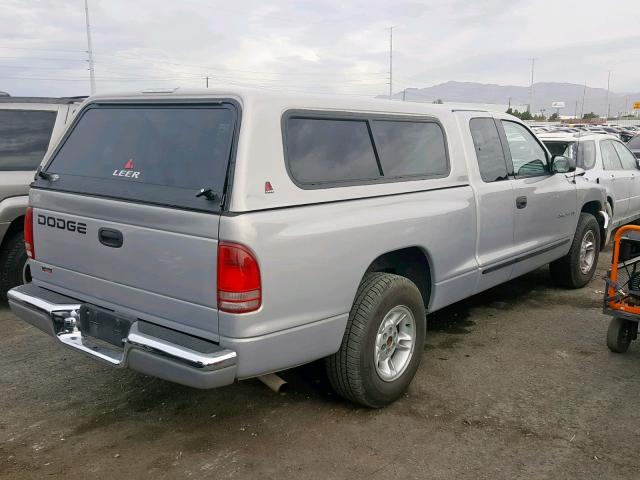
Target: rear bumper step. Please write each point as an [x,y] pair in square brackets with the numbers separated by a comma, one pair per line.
[148,348]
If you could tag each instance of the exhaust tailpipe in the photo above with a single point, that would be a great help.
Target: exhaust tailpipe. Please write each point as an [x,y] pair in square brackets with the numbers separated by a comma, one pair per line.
[274,382]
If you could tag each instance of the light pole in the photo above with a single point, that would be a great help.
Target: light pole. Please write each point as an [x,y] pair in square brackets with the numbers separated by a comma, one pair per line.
[608,93]
[533,64]
[391,61]
[92,75]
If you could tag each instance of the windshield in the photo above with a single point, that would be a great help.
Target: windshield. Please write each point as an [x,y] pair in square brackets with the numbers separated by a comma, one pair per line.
[584,153]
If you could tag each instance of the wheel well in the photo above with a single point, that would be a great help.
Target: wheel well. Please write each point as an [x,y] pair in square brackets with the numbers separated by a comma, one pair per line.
[594,208]
[410,262]
[16,226]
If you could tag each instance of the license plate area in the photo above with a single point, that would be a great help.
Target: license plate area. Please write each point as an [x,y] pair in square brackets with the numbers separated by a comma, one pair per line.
[104,325]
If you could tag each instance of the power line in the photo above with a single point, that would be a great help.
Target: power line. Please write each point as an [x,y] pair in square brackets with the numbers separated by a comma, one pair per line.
[43,49]
[62,59]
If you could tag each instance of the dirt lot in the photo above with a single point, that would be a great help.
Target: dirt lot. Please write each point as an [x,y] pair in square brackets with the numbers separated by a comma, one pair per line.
[514,383]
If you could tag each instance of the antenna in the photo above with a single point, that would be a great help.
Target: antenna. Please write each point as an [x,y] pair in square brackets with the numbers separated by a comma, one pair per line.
[92,75]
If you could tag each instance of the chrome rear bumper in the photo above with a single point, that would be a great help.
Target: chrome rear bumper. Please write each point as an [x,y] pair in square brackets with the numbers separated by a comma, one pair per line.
[148,348]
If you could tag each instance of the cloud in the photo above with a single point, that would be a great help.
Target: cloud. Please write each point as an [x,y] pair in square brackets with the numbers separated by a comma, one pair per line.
[319,46]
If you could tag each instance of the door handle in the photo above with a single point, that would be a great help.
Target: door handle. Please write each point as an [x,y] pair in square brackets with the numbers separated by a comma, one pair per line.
[521,202]
[110,237]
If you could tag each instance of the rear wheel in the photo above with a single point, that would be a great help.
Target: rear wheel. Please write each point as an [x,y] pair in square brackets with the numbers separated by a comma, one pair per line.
[382,344]
[13,264]
[576,269]
[620,334]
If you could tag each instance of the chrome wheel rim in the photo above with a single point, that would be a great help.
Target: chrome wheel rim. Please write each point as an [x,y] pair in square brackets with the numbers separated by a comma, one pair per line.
[26,273]
[587,252]
[395,342]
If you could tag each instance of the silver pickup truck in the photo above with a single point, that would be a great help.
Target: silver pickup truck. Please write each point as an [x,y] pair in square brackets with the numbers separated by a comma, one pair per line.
[212,236]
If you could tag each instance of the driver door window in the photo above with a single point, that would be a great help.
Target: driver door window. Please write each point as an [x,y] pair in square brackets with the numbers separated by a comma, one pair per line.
[527,155]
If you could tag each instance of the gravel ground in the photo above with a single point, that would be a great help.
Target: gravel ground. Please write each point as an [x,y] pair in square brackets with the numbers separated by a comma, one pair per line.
[514,383]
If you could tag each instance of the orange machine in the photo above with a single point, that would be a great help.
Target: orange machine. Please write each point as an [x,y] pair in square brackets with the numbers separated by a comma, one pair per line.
[622,295]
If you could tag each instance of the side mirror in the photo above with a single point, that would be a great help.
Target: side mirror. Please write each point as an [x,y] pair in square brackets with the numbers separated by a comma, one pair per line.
[562,164]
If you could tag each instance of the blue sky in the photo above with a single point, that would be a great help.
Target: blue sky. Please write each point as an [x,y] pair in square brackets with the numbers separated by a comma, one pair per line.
[319,46]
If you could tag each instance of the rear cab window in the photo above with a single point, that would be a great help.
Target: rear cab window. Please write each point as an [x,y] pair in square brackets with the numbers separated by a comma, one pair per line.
[154,153]
[24,138]
[329,150]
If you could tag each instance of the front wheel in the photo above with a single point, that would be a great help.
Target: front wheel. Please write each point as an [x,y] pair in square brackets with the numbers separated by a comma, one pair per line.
[577,267]
[382,344]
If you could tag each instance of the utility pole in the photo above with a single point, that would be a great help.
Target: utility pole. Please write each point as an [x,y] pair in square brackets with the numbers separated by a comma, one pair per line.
[207,80]
[608,93]
[533,64]
[92,75]
[404,95]
[391,61]
[575,113]
[584,94]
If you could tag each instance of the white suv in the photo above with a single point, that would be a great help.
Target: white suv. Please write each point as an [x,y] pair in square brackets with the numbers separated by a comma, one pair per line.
[607,161]
[27,125]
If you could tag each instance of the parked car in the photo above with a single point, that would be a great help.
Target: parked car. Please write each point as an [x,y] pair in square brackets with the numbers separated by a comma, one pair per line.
[634,146]
[211,236]
[27,125]
[621,133]
[607,161]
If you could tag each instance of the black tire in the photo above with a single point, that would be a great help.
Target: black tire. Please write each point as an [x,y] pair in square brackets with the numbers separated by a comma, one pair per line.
[12,259]
[566,271]
[619,335]
[352,371]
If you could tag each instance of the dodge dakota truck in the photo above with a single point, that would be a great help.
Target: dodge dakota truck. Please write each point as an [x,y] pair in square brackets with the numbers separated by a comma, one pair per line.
[205,237]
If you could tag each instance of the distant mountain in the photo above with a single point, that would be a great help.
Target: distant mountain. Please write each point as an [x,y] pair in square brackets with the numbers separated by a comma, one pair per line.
[543,95]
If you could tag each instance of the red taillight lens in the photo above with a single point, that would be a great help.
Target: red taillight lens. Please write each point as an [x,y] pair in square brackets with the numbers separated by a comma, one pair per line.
[239,285]
[28,233]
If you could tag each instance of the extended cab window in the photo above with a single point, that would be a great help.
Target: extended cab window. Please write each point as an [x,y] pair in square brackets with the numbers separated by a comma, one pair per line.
[527,155]
[322,151]
[488,146]
[154,153]
[24,138]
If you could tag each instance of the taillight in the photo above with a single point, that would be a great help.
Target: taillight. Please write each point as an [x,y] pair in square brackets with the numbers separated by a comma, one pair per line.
[239,285]
[28,233]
